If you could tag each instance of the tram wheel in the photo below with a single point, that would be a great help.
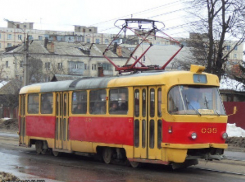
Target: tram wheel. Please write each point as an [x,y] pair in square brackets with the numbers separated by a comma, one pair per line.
[107,155]
[39,146]
[55,153]
[134,164]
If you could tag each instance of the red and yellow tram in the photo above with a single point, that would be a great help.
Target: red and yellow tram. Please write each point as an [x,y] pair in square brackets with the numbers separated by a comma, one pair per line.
[167,117]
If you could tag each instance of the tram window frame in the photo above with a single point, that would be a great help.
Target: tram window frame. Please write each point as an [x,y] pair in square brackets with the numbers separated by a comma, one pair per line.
[97,97]
[32,101]
[79,98]
[118,101]
[47,103]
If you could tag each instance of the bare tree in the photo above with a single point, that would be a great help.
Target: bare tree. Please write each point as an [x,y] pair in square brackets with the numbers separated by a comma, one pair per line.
[217,21]
[35,69]
[40,69]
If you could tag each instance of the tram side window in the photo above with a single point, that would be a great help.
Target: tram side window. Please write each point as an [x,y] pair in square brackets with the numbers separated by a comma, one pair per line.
[136,103]
[79,102]
[47,103]
[118,101]
[33,104]
[174,101]
[159,102]
[97,101]
[152,102]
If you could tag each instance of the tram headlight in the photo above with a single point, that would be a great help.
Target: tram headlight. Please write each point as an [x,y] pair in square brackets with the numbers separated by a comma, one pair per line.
[193,136]
[224,135]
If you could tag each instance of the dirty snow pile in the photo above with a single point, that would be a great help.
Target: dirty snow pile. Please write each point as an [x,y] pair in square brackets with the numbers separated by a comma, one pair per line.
[234,131]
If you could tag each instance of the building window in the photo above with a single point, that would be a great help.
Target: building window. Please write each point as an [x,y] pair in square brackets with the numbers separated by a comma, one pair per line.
[88,40]
[93,66]
[97,41]
[9,36]
[24,26]
[235,48]
[30,37]
[76,66]
[85,66]
[228,47]
[106,41]
[9,45]
[7,64]
[47,65]
[107,66]
[60,66]
[235,56]
[40,38]
[21,64]
[19,37]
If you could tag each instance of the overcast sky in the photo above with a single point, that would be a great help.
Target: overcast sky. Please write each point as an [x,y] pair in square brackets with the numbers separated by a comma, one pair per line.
[63,14]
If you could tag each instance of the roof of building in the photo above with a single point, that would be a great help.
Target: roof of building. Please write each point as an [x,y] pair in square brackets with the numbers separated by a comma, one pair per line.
[10,87]
[69,48]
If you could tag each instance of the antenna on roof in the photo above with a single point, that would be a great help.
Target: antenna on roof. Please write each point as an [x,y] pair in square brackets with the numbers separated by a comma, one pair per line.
[143,29]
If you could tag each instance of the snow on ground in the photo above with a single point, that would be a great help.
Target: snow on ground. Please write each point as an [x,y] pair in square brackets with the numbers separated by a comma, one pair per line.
[227,83]
[3,83]
[234,131]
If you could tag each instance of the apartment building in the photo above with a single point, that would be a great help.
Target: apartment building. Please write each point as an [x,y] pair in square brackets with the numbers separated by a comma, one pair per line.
[15,33]
[48,58]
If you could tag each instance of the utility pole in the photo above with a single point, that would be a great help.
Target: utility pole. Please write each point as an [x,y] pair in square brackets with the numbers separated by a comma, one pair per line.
[26,61]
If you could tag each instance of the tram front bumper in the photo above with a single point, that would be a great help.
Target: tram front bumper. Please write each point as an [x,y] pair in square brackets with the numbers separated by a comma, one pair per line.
[179,153]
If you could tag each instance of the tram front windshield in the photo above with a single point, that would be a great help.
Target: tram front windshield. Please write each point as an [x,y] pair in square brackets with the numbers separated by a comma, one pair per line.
[195,100]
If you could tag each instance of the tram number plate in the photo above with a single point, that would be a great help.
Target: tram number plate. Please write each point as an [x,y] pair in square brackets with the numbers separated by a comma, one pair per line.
[209,130]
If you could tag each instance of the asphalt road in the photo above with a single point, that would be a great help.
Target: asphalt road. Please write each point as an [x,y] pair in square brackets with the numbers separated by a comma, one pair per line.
[27,165]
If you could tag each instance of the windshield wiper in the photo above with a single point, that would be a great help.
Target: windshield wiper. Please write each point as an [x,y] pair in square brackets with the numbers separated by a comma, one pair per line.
[217,112]
[206,102]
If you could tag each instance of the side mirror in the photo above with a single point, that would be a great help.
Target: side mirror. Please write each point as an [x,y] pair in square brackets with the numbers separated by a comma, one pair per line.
[234,111]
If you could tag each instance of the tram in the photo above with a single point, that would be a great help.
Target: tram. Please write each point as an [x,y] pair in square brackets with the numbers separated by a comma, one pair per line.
[148,116]
[167,117]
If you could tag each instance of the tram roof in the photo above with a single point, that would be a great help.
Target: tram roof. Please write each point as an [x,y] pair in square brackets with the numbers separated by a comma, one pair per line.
[138,79]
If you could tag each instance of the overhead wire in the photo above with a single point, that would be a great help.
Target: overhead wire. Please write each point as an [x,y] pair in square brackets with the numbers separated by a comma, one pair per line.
[158,7]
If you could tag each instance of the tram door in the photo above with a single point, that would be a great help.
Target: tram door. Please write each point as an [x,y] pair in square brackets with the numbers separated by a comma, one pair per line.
[147,122]
[140,122]
[22,120]
[62,117]
[154,122]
